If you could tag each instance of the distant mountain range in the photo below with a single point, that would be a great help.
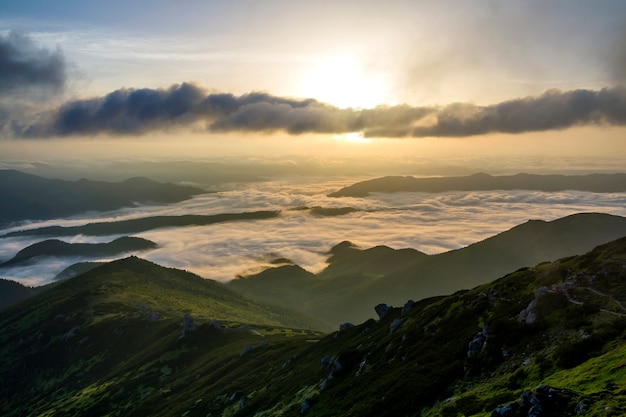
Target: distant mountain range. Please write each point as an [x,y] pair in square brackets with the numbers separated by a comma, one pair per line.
[132,338]
[29,197]
[355,279]
[598,183]
[59,248]
[143,224]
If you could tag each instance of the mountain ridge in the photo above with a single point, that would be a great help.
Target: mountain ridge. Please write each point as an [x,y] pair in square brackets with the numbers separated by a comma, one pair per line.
[599,183]
[549,336]
[59,248]
[430,275]
[30,197]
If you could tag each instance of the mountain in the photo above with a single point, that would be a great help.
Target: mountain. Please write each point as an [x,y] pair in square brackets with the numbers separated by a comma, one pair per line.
[542,341]
[356,279]
[12,292]
[598,183]
[76,269]
[59,248]
[143,224]
[29,197]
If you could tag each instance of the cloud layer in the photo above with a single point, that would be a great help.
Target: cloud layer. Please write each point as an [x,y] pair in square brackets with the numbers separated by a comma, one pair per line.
[432,223]
[135,112]
[24,65]
[188,106]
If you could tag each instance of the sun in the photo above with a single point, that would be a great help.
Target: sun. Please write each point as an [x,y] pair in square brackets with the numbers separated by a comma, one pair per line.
[352,137]
[344,81]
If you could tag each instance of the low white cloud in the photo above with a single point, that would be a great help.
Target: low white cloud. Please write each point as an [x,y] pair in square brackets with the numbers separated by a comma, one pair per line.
[432,223]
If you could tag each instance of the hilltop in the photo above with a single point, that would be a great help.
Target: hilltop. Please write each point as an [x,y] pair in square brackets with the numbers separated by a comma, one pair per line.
[59,248]
[598,183]
[128,338]
[355,278]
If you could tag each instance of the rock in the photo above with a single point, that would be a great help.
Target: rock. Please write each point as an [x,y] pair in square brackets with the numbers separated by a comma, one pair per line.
[345,326]
[504,411]
[407,307]
[188,324]
[382,310]
[361,366]
[304,406]
[323,384]
[529,314]
[326,361]
[246,349]
[476,345]
[336,366]
[394,325]
[71,333]
[543,401]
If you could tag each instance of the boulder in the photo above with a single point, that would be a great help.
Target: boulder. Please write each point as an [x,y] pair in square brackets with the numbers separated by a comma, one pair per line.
[382,310]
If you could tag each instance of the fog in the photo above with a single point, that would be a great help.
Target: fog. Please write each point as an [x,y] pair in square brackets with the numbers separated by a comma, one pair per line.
[432,223]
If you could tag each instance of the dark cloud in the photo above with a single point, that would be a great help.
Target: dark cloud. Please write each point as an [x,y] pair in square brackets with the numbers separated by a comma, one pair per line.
[138,111]
[552,110]
[24,65]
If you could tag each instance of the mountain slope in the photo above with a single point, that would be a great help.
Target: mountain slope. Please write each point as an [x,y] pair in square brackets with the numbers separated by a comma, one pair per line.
[12,292]
[29,197]
[482,352]
[59,248]
[358,279]
[143,224]
[600,183]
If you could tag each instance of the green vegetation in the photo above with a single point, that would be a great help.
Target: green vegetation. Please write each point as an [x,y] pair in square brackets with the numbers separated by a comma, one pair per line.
[120,340]
[357,279]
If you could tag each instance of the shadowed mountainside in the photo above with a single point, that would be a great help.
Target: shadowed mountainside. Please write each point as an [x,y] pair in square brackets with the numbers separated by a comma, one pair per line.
[356,279]
[142,224]
[599,183]
[12,292]
[58,248]
[111,342]
[29,197]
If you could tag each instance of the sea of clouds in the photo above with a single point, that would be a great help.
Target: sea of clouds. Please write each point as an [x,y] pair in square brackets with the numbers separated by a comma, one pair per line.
[432,223]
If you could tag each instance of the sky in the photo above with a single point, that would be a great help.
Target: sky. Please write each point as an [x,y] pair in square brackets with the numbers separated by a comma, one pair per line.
[310,96]
[516,77]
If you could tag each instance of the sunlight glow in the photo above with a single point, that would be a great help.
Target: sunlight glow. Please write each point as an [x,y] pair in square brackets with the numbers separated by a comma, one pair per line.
[353,137]
[344,81]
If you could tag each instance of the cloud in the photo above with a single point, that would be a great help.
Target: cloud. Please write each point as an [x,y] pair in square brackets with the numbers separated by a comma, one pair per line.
[24,65]
[432,223]
[187,105]
[552,110]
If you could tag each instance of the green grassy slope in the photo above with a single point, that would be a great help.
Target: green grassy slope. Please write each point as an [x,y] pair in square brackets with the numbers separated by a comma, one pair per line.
[84,348]
[357,279]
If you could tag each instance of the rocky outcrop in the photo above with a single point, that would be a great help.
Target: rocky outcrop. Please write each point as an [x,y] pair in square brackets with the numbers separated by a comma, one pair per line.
[394,325]
[382,310]
[543,401]
[188,324]
[407,307]
[477,344]
[345,326]
[529,314]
